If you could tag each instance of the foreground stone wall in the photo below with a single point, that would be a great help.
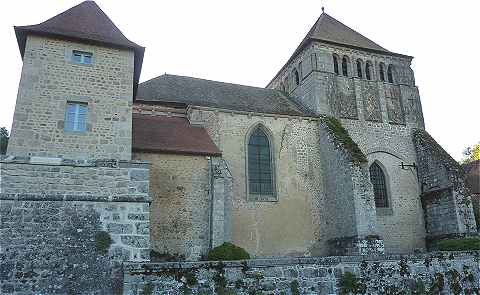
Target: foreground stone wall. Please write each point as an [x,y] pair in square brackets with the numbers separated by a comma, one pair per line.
[437,273]
[66,227]
[180,203]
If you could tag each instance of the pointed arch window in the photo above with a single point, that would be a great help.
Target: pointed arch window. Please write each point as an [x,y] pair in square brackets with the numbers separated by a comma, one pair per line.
[390,73]
[359,69]
[345,66]
[382,72]
[260,166]
[335,64]
[368,71]
[378,179]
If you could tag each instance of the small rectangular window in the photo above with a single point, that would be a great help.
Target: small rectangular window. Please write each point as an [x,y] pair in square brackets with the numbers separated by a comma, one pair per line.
[82,57]
[76,117]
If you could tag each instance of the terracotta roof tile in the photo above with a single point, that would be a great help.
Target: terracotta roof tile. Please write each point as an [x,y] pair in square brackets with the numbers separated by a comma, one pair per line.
[171,135]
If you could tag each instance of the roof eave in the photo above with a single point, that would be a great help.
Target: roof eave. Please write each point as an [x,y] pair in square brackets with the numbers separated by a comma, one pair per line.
[178,152]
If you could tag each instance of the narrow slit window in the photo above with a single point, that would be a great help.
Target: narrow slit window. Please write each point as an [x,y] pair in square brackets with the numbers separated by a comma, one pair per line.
[382,72]
[335,64]
[76,117]
[345,66]
[82,57]
[390,74]
[368,73]
[359,69]
[296,77]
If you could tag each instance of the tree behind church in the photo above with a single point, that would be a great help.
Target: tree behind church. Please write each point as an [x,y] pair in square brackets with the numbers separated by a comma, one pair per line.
[471,154]
[3,140]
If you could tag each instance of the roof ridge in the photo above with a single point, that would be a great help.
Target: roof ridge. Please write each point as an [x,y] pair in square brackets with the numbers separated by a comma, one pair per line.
[215,81]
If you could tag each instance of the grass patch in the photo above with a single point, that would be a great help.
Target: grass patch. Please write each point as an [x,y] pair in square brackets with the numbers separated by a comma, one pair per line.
[458,244]
[228,251]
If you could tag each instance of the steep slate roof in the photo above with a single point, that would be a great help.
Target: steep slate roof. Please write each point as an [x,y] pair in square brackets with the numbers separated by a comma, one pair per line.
[472,176]
[83,22]
[171,135]
[200,92]
[329,30]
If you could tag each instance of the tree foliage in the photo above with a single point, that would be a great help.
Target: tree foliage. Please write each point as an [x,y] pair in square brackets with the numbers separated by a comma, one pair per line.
[3,140]
[471,154]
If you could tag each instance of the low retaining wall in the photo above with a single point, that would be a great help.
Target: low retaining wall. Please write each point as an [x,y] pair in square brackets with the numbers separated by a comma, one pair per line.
[439,273]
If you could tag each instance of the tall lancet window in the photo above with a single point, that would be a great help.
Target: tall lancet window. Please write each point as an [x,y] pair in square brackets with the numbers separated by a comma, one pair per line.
[377,177]
[382,72]
[368,73]
[335,64]
[260,166]
[390,73]
[345,66]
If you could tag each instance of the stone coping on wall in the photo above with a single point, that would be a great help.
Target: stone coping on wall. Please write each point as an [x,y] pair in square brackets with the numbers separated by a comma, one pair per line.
[69,197]
[107,163]
[150,267]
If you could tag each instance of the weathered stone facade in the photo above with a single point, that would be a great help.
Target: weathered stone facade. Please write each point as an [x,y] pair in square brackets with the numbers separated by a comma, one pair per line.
[436,273]
[50,79]
[446,201]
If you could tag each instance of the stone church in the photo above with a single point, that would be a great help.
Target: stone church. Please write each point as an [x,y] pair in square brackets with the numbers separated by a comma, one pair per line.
[330,158]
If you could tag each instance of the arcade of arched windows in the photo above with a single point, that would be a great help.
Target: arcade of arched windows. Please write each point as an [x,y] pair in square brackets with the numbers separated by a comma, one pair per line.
[362,69]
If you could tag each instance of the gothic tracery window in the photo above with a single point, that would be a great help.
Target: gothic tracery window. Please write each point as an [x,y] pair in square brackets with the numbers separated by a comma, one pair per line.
[260,165]
[377,177]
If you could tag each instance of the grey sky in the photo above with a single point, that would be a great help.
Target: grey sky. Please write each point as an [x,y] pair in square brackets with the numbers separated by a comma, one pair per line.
[247,42]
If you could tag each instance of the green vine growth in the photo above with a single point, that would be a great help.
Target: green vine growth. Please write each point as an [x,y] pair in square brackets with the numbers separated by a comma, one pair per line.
[344,138]
[103,241]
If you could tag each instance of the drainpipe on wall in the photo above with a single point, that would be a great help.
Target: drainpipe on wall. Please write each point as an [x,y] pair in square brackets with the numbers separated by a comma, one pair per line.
[210,215]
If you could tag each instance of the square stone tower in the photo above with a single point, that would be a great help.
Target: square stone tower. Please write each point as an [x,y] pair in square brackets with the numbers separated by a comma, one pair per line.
[79,78]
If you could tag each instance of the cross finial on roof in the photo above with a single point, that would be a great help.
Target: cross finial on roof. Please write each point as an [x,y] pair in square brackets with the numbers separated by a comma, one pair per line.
[323,9]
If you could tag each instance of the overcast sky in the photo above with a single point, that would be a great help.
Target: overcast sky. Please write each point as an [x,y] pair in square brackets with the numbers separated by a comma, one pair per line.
[248,41]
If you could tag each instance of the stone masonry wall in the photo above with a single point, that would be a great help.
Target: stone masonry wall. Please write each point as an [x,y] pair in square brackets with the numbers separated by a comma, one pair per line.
[296,222]
[443,191]
[50,79]
[56,220]
[433,273]
[179,186]
[75,180]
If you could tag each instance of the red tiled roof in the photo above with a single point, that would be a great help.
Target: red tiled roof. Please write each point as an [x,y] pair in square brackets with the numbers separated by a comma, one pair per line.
[171,135]
[85,21]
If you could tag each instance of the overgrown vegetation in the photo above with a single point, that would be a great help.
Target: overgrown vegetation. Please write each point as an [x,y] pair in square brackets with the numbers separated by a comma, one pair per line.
[471,154]
[457,244]
[350,284]
[341,134]
[227,251]
[103,241]
[148,289]
[3,140]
